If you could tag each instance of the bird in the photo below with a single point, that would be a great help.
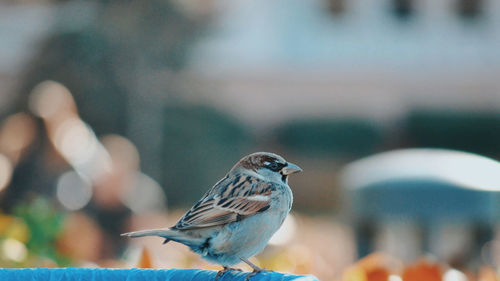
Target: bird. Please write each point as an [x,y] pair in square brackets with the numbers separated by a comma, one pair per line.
[235,219]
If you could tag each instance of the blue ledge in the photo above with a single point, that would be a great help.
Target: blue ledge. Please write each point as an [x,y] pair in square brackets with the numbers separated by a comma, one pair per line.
[98,274]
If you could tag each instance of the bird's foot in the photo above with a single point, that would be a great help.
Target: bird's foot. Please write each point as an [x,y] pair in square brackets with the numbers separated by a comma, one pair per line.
[255,272]
[255,268]
[224,270]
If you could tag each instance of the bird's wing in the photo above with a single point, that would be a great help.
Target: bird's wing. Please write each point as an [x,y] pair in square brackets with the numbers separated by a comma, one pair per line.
[230,200]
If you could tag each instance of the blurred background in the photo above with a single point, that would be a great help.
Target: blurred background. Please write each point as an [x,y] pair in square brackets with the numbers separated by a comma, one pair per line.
[118,115]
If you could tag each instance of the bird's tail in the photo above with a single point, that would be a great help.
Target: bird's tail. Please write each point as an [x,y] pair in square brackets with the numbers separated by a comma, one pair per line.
[167,233]
[162,232]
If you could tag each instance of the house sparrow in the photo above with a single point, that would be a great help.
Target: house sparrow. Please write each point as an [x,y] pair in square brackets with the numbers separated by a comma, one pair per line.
[235,219]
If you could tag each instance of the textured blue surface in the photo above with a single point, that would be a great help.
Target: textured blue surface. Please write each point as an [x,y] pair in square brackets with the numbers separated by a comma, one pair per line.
[99,274]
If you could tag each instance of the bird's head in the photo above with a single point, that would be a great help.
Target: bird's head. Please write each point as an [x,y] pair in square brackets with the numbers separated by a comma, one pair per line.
[268,165]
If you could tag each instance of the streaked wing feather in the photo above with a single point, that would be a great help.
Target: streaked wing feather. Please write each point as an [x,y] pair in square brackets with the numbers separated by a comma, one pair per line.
[242,197]
[244,206]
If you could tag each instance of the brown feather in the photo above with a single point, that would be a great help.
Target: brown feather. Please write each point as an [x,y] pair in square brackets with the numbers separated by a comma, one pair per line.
[223,211]
[230,199]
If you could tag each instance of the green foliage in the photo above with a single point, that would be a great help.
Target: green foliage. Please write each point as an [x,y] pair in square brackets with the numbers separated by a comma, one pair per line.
[45,224]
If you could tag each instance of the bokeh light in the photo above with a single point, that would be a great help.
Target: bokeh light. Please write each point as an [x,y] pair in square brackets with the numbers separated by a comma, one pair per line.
[146,195]
[5,171]
[490,253]
[454,275]
[76,141]
[122,151]
[73,191]
[78,144]
[14,250]
[16,134]
[393,277]
[80,227]
[49,99]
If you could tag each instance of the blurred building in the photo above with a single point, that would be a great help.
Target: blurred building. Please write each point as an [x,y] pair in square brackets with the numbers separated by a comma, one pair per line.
[330,55]
[374,59]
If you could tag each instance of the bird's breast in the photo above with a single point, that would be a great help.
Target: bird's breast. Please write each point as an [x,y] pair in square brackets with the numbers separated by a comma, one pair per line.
[249,236]
[282,199]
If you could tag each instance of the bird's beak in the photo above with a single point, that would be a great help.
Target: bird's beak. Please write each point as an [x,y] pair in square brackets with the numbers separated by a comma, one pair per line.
[290,168]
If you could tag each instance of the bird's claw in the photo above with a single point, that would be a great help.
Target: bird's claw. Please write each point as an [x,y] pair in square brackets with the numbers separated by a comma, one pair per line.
[255,272]
[223,271]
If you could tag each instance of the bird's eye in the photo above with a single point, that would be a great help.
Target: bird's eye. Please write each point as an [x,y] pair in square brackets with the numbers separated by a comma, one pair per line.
[273,166]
